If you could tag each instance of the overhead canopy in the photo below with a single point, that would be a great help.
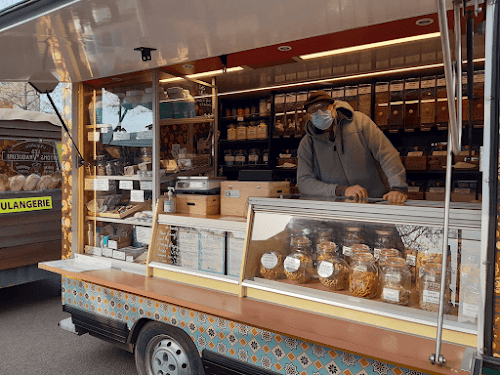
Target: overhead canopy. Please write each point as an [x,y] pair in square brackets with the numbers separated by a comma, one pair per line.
[21,124]
[79,40]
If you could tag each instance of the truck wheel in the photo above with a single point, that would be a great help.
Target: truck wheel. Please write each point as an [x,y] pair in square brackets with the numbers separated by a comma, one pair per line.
[161,349]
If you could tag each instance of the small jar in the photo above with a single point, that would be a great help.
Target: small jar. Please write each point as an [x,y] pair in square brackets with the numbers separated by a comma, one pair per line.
[395,282]
[252,130]
[241,131]
[384,255]
[382,241]
[262,107]
[265,157]
[262,130]
[298,264]
[101,168]
[325,249]
[278,128]
[410,255]
[271,265]
[110,168]
[253,110]
[229,158]
[146,154]
[234,112]
[333,272]
[231,132]
[352,236]
[253,157]
[240,158]
[357,248]
[426,255]
[323,235]
[363,280]
[240,111]
[430,288]
[228,112]
[247,110]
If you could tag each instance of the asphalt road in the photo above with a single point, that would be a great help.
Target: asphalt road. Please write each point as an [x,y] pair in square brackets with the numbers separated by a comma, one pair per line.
[31,341]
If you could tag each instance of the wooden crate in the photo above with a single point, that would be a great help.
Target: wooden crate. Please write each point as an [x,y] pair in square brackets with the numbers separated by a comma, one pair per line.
[198,204]
[416,163]
[235,194]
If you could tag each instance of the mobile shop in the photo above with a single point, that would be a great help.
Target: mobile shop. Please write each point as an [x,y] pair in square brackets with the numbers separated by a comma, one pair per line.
[254,285]
[30,195]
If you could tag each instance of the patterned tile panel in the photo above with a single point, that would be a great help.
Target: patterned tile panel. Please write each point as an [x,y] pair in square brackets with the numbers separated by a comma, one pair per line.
[272,351]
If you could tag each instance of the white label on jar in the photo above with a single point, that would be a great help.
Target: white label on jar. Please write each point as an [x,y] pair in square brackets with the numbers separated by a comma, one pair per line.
[411,260]
[325,268]
[397,87]
[430,297]
[126,185]
[382,88]
[470,310]
[426,84]
[346,250]
[376,253]
[269,261]
[412,85]
[229,158]
[240,159]
[253,158]
[291,264]
[390,294]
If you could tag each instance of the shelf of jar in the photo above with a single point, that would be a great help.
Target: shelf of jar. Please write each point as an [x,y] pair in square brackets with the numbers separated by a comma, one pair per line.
[288,136]
[130,221]
[238,167]
[298,112]
[241,141]
[188,120]
[245,117]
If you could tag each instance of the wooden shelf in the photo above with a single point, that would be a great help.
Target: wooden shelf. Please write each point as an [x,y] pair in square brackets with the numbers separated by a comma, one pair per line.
[120,221]
[182,121]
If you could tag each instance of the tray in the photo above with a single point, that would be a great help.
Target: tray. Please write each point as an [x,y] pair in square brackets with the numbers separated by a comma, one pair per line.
[135,208]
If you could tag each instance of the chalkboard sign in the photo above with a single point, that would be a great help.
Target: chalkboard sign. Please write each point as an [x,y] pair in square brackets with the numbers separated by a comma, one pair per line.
[161,244]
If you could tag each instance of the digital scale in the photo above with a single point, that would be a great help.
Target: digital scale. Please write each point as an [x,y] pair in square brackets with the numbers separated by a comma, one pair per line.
[198,185]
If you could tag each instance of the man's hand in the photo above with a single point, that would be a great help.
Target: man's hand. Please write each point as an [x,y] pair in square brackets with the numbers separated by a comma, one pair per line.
[356,191]
[395,197]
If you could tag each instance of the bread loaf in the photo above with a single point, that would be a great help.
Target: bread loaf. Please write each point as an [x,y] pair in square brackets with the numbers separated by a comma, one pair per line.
[4,182]
[45,182]
[31,182]
[16,183]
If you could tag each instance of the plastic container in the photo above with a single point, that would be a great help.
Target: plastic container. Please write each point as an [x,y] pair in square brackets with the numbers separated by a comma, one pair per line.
[395,282]
[382,105]
[396,114]
[298,264]
[333,272]
[271,265]
[430,288]
[363,280]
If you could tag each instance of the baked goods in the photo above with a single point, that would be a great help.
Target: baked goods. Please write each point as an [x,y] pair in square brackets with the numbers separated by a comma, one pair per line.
[4,182]
[16,183]
[44,182]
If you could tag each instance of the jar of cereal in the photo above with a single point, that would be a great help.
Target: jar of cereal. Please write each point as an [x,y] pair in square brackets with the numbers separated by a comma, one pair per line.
[395,282]
[363,280]
[271,265]
[298,264]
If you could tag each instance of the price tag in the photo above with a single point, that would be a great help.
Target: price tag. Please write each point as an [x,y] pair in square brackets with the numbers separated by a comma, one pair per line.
[346,250]
[101,185]
[137,195]
[411,260]
[120,255]
[413,189]
[107,252]
[397,87]
[143,234]
[429,83]
[430,297]
[382,88]
[441,82]
[412,85]
[121,136]
[105,129]
[436,189]
[291,264]
[126,185]
[470,310]
[325,268]
[94,137]
[146,185]
[269,261]
[391,295]
[376,252]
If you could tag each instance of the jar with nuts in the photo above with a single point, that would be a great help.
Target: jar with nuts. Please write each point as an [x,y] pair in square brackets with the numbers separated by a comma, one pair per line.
[298,264]
[363,280]
[395,282]
[333,272]
[271,265]
[430,288]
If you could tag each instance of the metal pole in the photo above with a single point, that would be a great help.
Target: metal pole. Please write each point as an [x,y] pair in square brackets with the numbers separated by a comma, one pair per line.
[458,54]
[156,138]
[215,126]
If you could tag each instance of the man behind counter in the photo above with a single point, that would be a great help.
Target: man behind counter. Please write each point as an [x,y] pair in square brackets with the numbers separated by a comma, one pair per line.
[345,154]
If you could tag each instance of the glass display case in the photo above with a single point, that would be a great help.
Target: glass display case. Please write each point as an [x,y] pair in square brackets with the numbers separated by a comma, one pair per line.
[398,288]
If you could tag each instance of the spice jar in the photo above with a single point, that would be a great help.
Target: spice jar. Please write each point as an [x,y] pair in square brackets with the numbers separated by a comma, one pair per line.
[395,282]
[231,132]
[253,156]
[382,105]
[384,255]
[262,130]
[352,236]
[241,131]
[229,158]
[333,272]
[430,288]
[363,280]
[298,264]
[101,167]
[382,241]
[427,102]
[252,130]
[271,265]
[240,158]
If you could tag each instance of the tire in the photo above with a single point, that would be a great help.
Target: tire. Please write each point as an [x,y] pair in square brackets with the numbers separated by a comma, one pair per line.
[162,349]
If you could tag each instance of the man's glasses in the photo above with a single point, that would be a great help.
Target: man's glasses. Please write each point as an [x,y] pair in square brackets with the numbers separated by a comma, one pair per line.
[313,108]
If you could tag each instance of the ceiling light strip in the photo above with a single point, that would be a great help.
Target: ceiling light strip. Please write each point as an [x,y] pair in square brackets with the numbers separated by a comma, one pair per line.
[370,46]
[343,78]
[203,74]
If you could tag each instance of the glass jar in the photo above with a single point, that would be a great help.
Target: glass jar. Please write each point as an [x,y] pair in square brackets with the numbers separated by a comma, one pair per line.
[271,265]
[384,255]
[101,167]
[231,132]
[382,241]
[247,110]
[262,107]
[278,128]
[254,157]
[290,128]
[252,130]
[229,158]
[262,130]
[298,264]
[240,111]
[240,158]
[363,280]
[333,272]
[110,168]
[395,282]
[410,255]
[323,235]
[357,248]
[430,288]
[265,156]
[326,249]
[241,131]
[426,254]
[146,154]
[353,235]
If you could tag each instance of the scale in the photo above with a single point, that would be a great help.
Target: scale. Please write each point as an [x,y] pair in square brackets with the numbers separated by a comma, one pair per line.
[198,185]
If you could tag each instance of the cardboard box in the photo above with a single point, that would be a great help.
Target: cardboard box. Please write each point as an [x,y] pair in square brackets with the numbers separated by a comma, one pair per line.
[235,194]
[235,247]
[435,194]
[463,197]
[198,204]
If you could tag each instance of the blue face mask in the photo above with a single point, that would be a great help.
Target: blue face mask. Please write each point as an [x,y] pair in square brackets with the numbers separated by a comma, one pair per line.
[322,119]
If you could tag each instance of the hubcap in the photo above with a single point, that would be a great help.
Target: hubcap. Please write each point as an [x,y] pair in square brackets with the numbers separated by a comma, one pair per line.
[167,357]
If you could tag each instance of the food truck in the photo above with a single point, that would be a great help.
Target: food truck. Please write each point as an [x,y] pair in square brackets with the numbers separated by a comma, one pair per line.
[188,244]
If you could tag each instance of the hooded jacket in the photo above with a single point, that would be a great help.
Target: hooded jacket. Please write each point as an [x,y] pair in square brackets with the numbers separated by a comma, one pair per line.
[358,153]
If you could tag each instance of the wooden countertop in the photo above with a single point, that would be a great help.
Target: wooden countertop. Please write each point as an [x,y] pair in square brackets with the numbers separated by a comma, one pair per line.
[390,346]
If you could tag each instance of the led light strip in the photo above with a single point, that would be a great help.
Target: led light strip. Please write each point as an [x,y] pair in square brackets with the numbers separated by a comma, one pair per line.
[370,46]
[344,78]
[204,74]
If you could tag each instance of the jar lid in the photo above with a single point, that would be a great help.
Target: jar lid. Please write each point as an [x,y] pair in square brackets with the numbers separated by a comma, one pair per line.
[363,257]
[395,262]
[353,229]
[360,248]
[383,232]
[301,241]
[389,253]
[328,246]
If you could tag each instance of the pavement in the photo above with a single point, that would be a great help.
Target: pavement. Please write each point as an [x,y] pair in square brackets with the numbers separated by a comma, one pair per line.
[31,342]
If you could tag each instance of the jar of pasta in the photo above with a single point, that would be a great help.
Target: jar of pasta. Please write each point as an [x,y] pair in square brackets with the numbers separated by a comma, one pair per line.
[426,254]
[352,236]
[430,288]
[383,240]
[271,265]
[333,272]
[384,255]
[325,249]
[363,280]
[395,282]
[298,264]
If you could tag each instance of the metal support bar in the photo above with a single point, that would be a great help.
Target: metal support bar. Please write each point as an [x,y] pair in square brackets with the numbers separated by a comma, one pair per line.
[215,125]
[156,136]
[458,54]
